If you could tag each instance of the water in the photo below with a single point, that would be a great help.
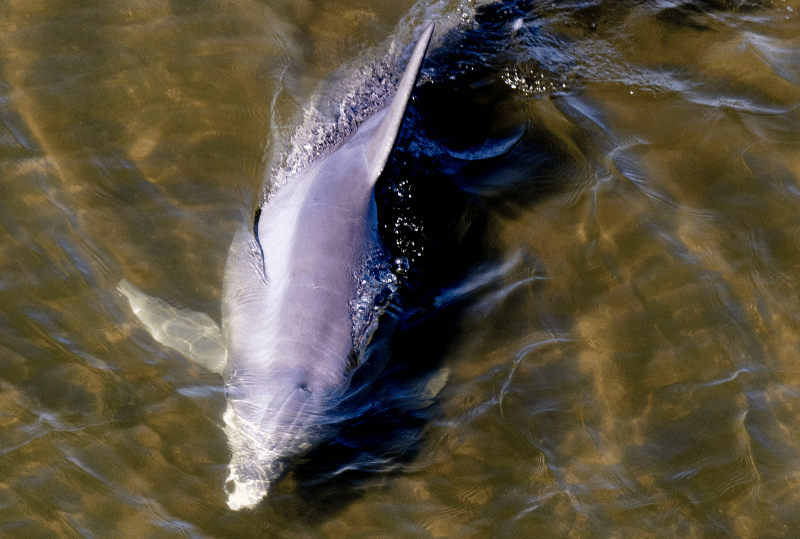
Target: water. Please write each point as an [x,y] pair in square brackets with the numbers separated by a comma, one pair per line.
[621,329]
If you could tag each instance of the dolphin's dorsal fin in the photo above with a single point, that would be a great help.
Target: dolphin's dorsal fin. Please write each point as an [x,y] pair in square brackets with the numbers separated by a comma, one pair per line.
[382,141]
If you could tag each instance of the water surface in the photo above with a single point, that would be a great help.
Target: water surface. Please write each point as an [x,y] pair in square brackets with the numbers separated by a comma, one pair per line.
[622,338]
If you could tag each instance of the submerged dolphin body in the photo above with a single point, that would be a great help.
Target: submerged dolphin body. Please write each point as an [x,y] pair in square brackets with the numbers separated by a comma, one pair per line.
[298,307]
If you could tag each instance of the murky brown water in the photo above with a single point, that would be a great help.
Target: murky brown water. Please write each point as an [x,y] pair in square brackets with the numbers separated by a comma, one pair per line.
[645,382]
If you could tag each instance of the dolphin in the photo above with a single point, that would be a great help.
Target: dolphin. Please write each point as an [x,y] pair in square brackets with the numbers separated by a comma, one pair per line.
[303,287]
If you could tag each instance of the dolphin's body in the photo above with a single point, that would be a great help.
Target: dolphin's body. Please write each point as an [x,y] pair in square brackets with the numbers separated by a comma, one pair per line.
[296,313]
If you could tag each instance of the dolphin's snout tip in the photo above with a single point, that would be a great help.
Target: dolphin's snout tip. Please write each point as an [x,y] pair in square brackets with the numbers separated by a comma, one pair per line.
[245,494]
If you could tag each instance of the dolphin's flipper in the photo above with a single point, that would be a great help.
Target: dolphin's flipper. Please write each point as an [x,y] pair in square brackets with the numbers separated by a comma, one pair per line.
[382,142]
[194,335]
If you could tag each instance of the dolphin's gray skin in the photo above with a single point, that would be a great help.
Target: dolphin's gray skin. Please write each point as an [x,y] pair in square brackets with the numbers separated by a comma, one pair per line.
[293,313]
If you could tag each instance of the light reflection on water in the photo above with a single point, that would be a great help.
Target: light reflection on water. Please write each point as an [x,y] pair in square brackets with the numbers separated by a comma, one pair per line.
[625,363]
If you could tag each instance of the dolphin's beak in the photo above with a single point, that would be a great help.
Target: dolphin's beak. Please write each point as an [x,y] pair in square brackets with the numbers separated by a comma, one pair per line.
[252,468]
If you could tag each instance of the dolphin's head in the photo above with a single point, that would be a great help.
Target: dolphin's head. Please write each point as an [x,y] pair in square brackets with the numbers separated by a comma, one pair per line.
[253,468]
[277,401]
